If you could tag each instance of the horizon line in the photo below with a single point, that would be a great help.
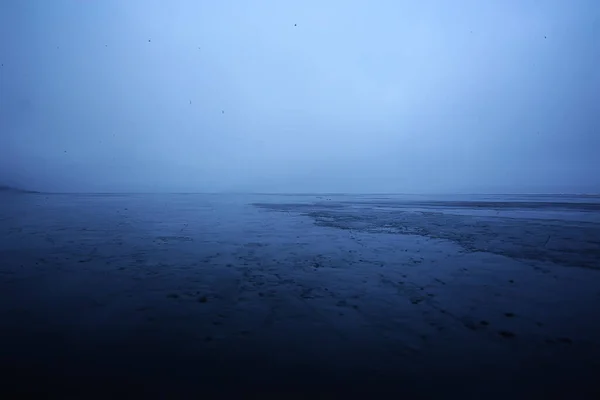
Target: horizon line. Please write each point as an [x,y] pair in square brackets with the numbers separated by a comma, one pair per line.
[322,193]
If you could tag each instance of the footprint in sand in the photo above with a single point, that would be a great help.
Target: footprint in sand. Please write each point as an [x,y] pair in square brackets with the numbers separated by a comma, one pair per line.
[507,334]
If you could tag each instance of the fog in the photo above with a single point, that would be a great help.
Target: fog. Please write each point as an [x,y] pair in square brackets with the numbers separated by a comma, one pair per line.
[300,96]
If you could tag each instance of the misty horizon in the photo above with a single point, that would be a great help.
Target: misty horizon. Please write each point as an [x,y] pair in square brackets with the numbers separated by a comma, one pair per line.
[302,97]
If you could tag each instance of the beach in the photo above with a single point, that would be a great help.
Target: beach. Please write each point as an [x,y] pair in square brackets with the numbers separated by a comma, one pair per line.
[194,294]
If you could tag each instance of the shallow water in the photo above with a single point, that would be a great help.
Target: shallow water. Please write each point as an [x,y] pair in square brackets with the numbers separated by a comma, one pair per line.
[185,294]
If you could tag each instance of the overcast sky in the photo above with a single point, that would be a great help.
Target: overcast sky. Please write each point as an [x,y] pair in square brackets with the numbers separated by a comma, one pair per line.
[300,95]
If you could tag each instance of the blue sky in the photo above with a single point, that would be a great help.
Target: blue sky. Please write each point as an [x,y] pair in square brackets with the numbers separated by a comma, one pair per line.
[300,96]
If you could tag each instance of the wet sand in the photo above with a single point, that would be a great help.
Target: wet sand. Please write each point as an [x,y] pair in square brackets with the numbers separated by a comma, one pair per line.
[185,296]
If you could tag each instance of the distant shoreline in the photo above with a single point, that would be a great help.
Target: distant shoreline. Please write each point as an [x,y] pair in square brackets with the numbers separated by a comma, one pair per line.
[10,189]
[6,188]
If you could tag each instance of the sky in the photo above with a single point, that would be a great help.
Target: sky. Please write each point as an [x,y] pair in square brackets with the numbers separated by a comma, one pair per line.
[378,96]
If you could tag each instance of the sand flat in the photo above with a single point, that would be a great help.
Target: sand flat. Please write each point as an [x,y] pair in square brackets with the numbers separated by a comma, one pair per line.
[180,293]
